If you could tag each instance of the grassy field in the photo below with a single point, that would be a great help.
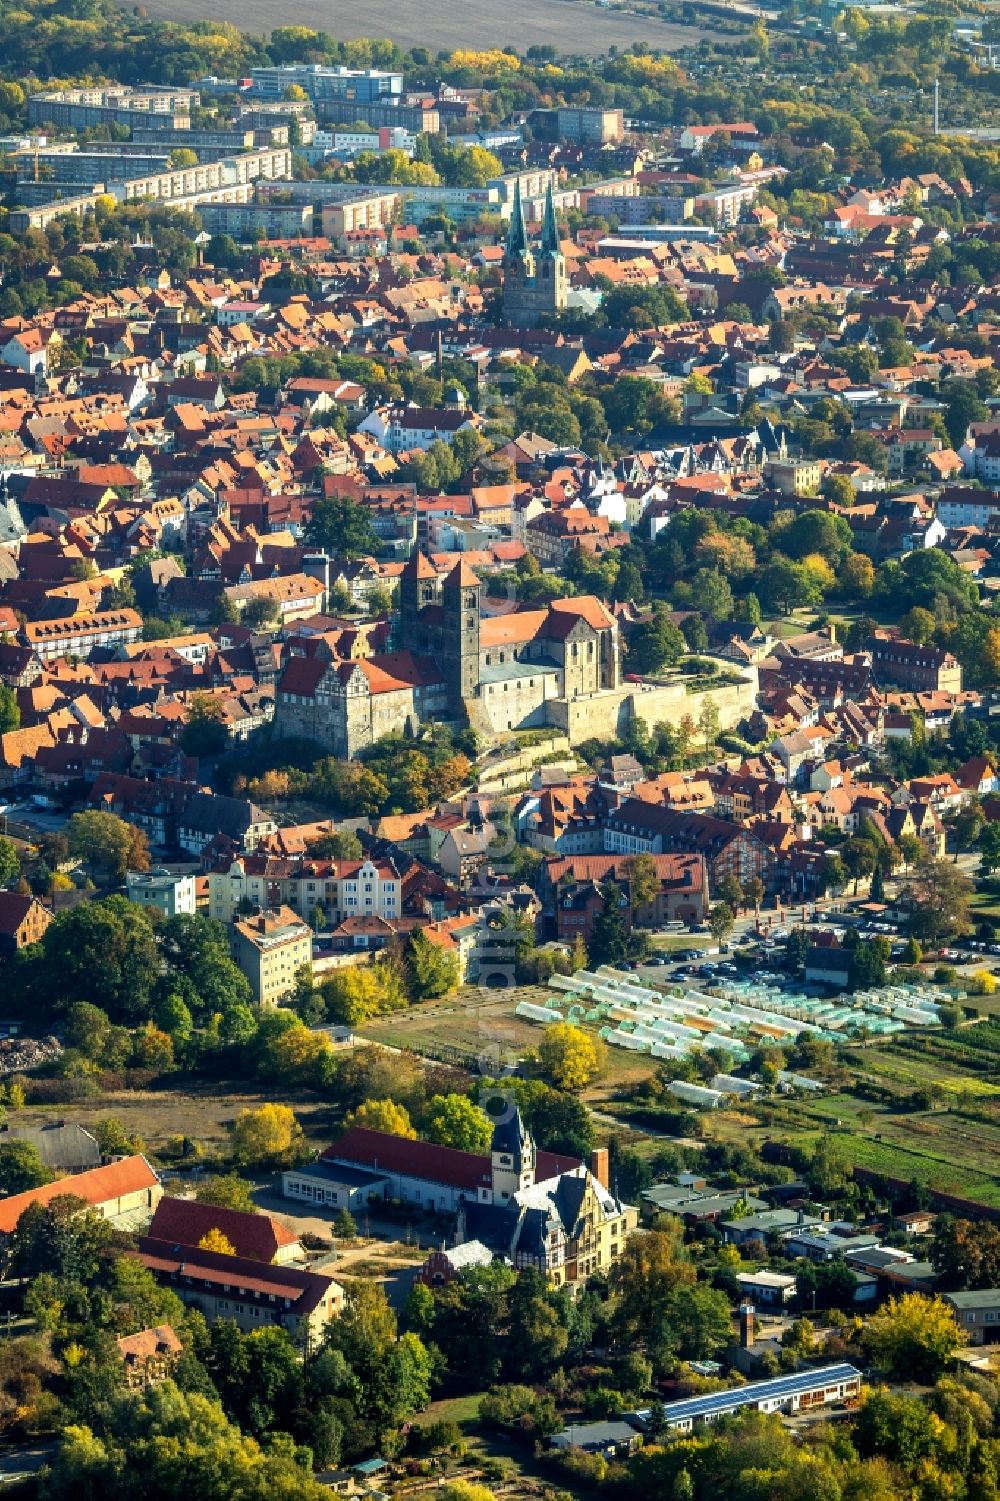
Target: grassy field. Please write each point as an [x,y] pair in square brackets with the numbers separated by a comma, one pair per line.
[480,1024]
[204,1114]
[575,27]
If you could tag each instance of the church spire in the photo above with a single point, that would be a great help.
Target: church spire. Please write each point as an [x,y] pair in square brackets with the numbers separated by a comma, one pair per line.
[550,229]
[517,235]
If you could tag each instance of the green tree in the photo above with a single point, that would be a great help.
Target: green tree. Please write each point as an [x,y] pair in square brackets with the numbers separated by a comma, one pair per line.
[103,953]
[654,644]
[21,1167]
[433,970]
[609,940]
[226,1191]
[989,847]
[10,865]
[341,527]
[205,733]
[721,921]
[10,714]
[643,880]
[107,842]
[937,896]
[453,1120]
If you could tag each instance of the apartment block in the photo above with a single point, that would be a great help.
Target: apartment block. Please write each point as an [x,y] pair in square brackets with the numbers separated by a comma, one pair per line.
[270,949]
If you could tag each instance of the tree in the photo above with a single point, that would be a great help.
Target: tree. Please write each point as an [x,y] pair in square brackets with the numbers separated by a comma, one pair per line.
[343,844]
[382,1115]
[822,532]
[570,1057]
[914,1337]
[115,1139]
[918,625]
[838,489]
[87,1029]
[609,939]
[721,921]
[226,1191]
[966,1254]
[21,1167]
[354,995]
[643,880]
[989,847]
[196,951]
[860,857]
[267,1137]
[829,1168]
[10,714]
[708,723]
[453,1120]
[966,824]
[260,611]
[937,896]
[654,644]
[205,732]
[433,970]
[963,406]
[876,891]
[753,892]
[344,1225]
[897,1427]
[10,865]
[214,1240]
[857,576]
[730,890]
[108,842]
[104,953]
[342,528]
[701,1322]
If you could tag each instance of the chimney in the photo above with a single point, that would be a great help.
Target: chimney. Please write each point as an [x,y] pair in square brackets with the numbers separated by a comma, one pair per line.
[747,1326]
[599,1165]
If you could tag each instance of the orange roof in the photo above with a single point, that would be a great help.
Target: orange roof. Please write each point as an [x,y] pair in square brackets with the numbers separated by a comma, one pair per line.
[519,625]
[98,1186]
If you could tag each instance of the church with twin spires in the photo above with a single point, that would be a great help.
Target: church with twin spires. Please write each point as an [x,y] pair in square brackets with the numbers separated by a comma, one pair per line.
[534,278]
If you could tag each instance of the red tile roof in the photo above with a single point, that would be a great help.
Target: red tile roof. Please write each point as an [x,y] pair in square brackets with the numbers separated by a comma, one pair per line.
[98,1186]
[384,1152]
[256,1236]
[303,1290]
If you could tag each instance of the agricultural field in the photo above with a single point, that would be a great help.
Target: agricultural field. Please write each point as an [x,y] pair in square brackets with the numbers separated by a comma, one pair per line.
[952,1147]
[571,26]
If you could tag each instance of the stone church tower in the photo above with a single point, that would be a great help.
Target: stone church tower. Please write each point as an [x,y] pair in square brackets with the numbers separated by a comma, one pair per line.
[460,646]
[441,620]
[534,281]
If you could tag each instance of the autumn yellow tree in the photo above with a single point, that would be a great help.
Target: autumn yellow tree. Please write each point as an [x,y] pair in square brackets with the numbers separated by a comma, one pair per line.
[570,1057]
[353,995]
[913,1337]
[383,1115]
[267,1137]
[214,1240]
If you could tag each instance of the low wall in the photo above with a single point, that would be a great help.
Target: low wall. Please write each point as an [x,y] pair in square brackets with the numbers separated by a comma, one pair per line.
[605,715]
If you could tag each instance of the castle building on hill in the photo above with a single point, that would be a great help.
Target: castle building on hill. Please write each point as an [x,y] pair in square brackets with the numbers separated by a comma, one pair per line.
[534,280]
[499,672]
